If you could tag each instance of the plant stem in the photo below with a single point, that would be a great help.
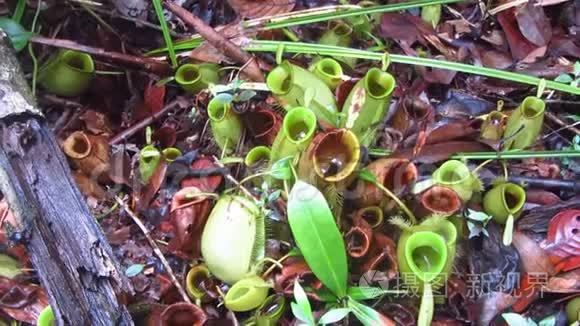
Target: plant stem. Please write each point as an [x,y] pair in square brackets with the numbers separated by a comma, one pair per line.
[318,49]
[398,201]
[508,155]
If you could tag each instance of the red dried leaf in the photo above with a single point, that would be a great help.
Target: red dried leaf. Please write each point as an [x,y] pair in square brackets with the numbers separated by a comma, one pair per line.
[205,184]
[21,302]
[520,47]
[533,23]
[144,197]
[534,259]
[563,238]
[153,98]
[96,122]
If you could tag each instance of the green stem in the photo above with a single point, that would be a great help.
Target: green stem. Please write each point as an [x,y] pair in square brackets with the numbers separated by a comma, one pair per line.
[246,179]
[508,231]
[30,49]
[305,48]
[398,201]
[509,155]
[427,306]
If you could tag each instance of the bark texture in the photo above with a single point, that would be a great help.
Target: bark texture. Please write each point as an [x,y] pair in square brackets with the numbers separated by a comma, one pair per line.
[71,255]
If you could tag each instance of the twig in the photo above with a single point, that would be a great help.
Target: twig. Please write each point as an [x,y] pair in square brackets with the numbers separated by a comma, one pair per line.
[234,181]
[563,125]
[125,134]
[218,41]
[154,66]
[155,248]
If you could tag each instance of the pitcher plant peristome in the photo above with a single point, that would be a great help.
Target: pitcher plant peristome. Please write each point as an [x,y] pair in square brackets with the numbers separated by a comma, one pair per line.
[226,125]
[257,156]
[247,294]
[505,202]
[295,86]
[524,124]
[438,200]
[233,240]
[367,104]
[297,132]
[329,71]
[67,73]
[195,277]
[457,176]
[493,126]
[193,78]
[271,310]
[335,155]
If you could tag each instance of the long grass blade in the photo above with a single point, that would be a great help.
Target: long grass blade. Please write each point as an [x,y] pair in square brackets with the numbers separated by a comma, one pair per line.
[318,49]
[165,30]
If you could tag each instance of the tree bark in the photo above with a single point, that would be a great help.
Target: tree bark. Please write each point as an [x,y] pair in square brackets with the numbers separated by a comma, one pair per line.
[71,255]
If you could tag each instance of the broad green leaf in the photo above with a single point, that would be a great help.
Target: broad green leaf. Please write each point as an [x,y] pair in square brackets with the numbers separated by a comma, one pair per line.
[317,236]
[367,175]
[514,319]
[300,297]
[9,267]
[134,270]
[334,315]
[18,35]
[365,314]
[369,292]
[281,169]
[299,314]
[564,78]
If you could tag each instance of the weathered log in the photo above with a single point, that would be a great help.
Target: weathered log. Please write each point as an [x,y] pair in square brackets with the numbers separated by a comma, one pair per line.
[72,257]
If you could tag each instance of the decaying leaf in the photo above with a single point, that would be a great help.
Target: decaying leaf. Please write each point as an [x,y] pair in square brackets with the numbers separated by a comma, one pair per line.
[563,238]
[261,8]
[533,23]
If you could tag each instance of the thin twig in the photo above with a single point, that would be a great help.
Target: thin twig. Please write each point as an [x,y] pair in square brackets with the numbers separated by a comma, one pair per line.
[154,66]
[563,125]
[234,181]
[218,41]
[156,249]
[125,134]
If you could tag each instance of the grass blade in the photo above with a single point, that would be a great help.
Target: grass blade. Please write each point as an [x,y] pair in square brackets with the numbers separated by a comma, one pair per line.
[165,30]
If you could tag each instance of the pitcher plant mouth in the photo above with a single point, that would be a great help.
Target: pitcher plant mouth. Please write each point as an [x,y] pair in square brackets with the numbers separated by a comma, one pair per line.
[452,173]
[183,313]
[246,294]
[358,241]
[194,280]
[532,107]
[188,74]
[271,310]
[193,78]
[77,145]
[336,155]
[299,124]
[373,215]
[402,174]
[281,79]
[440,200]
[329,71]
[257,155]
[217,109]
[379,84]
[513,198]
[426,254]
[81,62]
[264,124]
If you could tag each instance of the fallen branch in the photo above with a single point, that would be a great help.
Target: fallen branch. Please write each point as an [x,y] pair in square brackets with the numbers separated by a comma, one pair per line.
[157,67]
[234,52]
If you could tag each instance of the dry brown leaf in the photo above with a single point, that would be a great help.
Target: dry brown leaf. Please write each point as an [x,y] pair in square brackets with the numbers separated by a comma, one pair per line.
[534,258]
[261,8]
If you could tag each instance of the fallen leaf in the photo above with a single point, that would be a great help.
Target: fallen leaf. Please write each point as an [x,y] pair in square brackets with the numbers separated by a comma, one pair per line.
[564,283]
[533,23]
[487,307]
[563,238]
[519,45]
[154,97]
[261,8]
[96,122]
[405,27]
[533,257]
[22,302]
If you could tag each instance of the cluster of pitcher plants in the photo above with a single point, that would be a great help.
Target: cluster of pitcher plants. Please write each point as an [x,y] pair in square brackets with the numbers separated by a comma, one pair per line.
[311,178]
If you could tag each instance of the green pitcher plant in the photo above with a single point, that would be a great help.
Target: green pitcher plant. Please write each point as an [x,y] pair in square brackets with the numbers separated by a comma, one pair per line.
[295,86]
[329,71]
[493,126]
[193,78]
[425,254]
[46,317]
[457,176]
[505,202]
[67,73]
[270,311]
[297,132]
[524,124]
[367,104]
[149,158]
[195,276]
[257,156]
[225,124]
[233,239]
[339,33]
[247,294]
[334,155]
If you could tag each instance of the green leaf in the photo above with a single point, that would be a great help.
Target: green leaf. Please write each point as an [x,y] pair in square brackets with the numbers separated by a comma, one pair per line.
[9,267]
[478,216]
[281,169]
[367,175]
[369,292]
[17,34]
[303,310]
[334,315]
[514,319]
[548,321]
[564,78]
[134,270]
[365,314]
[318,237]
[165,31]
